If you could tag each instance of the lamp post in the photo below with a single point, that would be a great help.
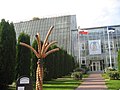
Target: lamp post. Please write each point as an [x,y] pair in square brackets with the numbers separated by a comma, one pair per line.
[79,56]
[109,47]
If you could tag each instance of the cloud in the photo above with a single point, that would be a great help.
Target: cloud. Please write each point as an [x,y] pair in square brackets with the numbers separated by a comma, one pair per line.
[105,12]
[90,13]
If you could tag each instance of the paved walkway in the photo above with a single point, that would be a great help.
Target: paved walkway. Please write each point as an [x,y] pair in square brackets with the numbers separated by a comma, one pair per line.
[93,82]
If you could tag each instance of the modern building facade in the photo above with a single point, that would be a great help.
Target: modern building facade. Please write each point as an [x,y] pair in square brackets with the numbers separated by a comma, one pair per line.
[99,48]
[65,30]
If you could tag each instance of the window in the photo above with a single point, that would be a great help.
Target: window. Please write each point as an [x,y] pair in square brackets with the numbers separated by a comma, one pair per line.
[83,46]
[83,60]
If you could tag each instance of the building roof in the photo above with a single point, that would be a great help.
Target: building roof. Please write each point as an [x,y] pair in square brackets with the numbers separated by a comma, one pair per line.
[99,27]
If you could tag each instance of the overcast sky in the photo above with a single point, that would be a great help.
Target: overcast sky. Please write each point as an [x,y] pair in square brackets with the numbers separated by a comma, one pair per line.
[89,13]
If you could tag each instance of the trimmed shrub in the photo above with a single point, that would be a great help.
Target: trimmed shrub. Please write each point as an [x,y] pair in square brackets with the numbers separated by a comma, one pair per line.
[77,75]
[114,75]
[108,69]
[82,70]
[86,69]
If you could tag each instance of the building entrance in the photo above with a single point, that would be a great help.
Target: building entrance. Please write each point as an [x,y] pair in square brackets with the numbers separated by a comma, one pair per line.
[95,66]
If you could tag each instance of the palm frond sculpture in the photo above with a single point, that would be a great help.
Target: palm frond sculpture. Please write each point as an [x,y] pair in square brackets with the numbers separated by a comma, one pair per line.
[40,54]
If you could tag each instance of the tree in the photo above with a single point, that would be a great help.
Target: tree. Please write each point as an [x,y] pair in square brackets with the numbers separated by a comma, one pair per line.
[119,60]
[23,56]
[34,61]
[7,52]
[58,64]
[36,18]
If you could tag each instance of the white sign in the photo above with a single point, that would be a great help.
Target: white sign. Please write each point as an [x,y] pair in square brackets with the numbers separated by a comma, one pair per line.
[21,88]
[24,80]
[94,47]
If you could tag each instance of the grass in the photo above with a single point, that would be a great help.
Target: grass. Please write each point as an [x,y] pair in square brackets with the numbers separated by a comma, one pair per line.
[11,88]
[85,75]
[64,83]
[111,84]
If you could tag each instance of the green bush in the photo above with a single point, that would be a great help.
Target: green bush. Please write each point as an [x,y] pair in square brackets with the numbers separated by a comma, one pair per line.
[114,75]
[82,70]
[77,75]
[110,69]
[105,76]
[85,68]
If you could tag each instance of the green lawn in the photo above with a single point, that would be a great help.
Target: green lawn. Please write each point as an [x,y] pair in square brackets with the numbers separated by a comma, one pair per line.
[11,88]
[65,83]
[111,84]
[61,84]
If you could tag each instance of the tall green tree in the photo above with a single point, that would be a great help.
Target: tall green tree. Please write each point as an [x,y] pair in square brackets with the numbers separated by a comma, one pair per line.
[7,52]
[34,61]
[23,56]
[58,64]
[119,60]
[55,65]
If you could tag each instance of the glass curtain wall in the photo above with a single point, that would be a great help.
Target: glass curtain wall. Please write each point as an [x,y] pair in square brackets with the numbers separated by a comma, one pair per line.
[98,62]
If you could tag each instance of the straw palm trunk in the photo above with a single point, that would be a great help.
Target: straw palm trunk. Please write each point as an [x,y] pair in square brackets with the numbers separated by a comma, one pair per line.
[39,75]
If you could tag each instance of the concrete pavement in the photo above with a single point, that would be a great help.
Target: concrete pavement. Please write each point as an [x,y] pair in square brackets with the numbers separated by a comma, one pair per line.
[93,82]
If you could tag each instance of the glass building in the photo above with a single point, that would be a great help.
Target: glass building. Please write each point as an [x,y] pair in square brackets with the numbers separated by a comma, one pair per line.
[99,48]
[65,30]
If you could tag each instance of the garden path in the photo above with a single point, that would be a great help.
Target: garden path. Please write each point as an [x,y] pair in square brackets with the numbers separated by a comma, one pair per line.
[93,82]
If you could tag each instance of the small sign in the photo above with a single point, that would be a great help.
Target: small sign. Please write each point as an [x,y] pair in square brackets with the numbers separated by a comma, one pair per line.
[24,80]
[21,88]
[24,83]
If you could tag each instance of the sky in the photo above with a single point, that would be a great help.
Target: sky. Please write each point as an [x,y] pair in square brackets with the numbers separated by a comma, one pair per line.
[89,13]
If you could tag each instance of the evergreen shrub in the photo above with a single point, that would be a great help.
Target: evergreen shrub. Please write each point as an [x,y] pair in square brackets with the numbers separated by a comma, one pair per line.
[114,75]
[77,75]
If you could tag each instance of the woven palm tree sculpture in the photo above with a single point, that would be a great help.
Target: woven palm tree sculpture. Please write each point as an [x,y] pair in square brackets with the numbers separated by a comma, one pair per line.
[40,54]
